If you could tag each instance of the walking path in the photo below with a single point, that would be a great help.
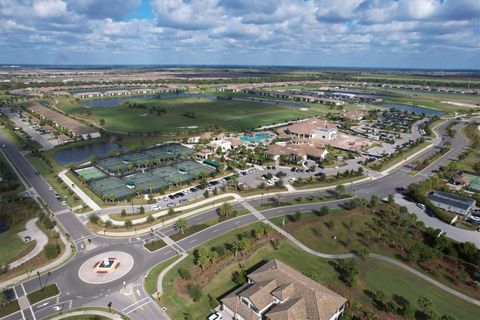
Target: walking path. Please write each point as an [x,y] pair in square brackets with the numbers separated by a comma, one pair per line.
[164,272]
[49,267]
[78,191]
[302,246]
[91,312]
[34,232]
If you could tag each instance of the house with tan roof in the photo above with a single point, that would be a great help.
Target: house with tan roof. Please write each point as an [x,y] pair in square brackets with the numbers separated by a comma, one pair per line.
[296,152]
[276,291]
[355,115]
[313,128]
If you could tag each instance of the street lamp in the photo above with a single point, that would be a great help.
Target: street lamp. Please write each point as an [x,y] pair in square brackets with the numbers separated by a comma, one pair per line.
[39,280]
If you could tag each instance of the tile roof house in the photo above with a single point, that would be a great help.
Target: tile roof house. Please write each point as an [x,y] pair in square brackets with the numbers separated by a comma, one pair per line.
[276,291]
[297,151]
[313,128]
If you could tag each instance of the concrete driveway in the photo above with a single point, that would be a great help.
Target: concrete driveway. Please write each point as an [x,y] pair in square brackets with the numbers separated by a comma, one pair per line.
[452,232]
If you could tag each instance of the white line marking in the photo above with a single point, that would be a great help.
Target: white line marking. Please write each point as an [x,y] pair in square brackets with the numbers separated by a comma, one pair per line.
[139,307]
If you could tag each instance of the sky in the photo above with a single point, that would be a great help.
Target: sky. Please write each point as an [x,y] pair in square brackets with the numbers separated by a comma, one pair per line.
[442,34]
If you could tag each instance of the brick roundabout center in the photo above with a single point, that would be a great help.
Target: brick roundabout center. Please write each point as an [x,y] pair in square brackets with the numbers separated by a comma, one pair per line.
[105,267]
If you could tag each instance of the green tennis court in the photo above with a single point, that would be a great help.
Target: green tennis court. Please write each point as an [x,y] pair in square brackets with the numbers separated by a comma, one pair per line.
[90,173]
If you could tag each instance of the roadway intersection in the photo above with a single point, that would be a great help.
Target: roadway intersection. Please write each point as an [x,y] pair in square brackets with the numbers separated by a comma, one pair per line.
[127,294]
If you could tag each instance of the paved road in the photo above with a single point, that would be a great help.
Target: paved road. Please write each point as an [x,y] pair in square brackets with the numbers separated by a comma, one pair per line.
[75,293]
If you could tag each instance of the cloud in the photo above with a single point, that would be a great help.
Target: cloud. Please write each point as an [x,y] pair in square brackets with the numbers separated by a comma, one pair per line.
[49,8]
[267,31]
[113,9]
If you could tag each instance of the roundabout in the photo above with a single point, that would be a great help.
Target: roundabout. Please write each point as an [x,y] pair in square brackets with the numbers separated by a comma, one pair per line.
[105,267]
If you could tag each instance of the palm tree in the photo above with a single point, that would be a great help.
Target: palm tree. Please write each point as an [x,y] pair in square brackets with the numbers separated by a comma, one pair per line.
[181,224]
[243,245]
[225,211]
[339,190]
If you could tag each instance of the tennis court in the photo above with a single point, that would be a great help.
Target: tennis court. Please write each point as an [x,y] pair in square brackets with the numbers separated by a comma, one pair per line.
[140,159]
[90,173]
[150,181]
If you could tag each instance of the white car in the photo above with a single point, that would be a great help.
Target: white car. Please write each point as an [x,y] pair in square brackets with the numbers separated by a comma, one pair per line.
[57,308]
[155,207]
[421,206]
[64,203]
[215,316]
[291,180]
[171,204]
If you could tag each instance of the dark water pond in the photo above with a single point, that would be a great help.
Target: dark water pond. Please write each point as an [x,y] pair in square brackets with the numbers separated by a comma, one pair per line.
[415,109]
[82,153]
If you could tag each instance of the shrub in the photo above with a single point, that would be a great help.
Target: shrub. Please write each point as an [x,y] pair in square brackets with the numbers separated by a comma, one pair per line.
[93,218]
[239,277]
[51,251]
[128,224]
[184,274]
[195,291]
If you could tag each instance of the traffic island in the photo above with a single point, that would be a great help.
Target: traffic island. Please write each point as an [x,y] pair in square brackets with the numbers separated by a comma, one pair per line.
[106,267]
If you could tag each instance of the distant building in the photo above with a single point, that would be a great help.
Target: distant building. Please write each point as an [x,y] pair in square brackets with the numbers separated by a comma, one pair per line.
[276,291]
[297,152]
[313,128]
[451,202]
[355,115]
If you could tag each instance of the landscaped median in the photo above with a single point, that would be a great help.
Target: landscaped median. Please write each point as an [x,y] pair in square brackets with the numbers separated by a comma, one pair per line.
[46,292]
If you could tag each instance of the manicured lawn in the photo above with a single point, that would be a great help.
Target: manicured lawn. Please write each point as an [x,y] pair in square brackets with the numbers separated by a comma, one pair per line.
[86,317]
[15,215]
[155,245]
[39,295]
[473,136]
[374,275]
[227,114]
[379,275]
[152,276]
[194,229]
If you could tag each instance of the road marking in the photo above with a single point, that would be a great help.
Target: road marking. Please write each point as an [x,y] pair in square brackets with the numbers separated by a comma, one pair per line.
[237,222]
[167,252]
[144,304]
[215,230]
[193,240]
[33,314]
[133,304]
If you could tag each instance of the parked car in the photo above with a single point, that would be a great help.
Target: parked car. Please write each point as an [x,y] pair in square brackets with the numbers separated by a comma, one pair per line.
[215,316]
[171,204]
[421,206]
[155,207]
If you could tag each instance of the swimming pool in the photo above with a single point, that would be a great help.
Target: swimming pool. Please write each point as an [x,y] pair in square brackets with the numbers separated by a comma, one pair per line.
[256,138]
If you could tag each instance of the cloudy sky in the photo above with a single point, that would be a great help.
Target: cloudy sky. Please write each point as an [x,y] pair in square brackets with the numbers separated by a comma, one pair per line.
[361,33]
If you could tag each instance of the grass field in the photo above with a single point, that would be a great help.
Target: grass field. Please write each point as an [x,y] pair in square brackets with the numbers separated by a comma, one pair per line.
[16,215]
[44,293]
[226,114]
[374,275]
[152,276]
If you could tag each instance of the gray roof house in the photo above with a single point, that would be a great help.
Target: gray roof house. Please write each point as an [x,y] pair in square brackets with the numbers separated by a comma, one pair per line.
[452,202]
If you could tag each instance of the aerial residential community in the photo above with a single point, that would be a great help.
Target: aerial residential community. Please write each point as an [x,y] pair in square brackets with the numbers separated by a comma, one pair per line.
[239,160]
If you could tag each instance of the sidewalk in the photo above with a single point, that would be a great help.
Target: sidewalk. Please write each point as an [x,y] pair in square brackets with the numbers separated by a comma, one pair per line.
[164,272]
[78,191]
[92,312]
[351,255]
[49,267]
[33,231]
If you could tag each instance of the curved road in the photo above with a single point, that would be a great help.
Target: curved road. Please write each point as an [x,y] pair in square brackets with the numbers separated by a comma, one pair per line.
[127,294]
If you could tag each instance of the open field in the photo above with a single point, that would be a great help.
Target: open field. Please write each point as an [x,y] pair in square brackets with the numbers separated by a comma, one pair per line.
[373,275]
[226,114]
[15,215]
